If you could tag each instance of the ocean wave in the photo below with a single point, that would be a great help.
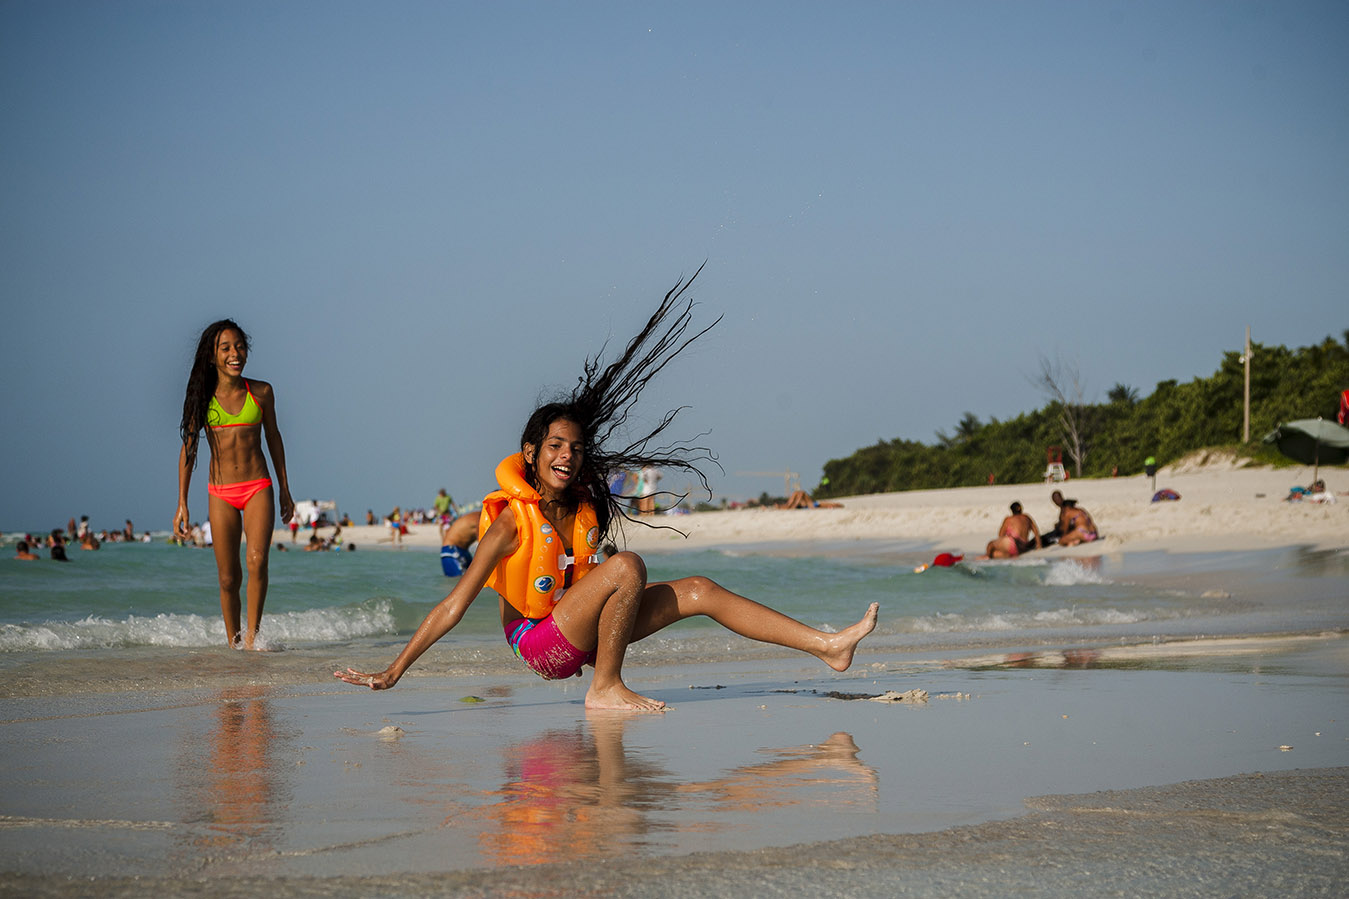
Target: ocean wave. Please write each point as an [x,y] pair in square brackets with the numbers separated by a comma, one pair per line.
[1070,573]
[367,619]
[947,623]
[1034,572]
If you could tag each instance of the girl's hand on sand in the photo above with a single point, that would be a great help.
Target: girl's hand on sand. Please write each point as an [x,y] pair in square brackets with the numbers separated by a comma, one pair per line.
[381,681]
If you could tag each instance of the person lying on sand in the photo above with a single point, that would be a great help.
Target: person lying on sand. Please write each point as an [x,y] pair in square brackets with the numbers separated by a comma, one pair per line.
[800,499]
[1316,493]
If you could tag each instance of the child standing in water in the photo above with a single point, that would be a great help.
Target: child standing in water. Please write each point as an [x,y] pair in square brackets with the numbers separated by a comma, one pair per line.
[563,605]
[237,415]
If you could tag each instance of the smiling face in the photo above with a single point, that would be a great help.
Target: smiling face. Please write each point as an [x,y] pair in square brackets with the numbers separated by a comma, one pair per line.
[231,353]
[556,461]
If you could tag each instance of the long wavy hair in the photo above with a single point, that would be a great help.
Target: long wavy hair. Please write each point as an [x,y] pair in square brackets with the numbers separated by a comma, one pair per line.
[602,401]
[201,384]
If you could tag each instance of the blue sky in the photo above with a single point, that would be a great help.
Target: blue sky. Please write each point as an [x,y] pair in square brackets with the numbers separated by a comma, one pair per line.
[428,214]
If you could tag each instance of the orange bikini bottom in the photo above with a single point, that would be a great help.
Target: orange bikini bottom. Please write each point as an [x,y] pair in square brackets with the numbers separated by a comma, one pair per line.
[238,495]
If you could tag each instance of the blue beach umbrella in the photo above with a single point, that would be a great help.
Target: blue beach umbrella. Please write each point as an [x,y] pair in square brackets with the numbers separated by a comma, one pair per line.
[1312,441]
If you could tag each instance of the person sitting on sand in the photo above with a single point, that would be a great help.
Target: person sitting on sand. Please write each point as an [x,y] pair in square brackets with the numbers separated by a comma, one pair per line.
[1050,537]
[562,607]
[21,552]
[1014,536]
[1076,524]
[800,499]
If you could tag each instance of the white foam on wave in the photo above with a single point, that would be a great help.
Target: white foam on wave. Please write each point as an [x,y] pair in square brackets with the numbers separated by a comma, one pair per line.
[1070,573]
[314,625]
[947,623]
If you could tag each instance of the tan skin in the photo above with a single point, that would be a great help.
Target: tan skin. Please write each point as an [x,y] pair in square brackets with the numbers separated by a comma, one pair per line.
[461,532]
[1014,527]
[612,606]
[1076,524]
[236,455]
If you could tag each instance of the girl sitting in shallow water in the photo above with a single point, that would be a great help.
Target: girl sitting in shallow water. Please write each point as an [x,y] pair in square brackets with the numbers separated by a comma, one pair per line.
[562,607]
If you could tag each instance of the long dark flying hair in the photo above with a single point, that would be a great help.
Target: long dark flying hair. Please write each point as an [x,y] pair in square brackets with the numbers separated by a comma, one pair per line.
[201,383]
[601,402]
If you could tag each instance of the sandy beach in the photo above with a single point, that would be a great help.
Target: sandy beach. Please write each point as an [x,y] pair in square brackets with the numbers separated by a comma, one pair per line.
[1222,508]
[1198,766]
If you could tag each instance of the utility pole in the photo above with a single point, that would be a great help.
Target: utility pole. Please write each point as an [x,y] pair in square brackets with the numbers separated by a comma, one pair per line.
[1246,416]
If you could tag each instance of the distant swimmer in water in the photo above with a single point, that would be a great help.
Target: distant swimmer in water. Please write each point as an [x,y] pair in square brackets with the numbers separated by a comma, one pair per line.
[563,606]
[238,416]
[57,546]
[1014,536]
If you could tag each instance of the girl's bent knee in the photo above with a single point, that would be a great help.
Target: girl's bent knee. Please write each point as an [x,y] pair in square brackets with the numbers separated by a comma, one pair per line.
[699,586]
[628,565]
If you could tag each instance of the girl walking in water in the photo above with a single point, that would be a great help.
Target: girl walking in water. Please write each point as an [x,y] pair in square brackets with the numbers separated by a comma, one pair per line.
[237,415]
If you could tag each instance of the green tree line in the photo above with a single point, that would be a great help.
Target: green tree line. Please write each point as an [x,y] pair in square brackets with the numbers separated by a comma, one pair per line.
[1115,435]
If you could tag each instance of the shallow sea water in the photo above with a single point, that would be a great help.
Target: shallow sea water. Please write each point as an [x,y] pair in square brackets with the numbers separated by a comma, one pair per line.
[171,756]
[339,782]
[160,596]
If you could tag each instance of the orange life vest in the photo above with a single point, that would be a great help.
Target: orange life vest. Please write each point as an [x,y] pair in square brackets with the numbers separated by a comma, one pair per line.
[531,578]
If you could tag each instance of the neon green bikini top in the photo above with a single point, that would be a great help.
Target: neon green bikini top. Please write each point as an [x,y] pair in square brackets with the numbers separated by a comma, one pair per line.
[250,414]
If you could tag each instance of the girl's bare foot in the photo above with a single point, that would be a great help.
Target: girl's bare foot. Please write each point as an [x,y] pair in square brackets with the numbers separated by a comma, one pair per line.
[620,698]
[838,652]
[258,643]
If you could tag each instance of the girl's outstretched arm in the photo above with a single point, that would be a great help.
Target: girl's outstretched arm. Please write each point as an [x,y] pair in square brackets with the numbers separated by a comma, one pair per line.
[499,541]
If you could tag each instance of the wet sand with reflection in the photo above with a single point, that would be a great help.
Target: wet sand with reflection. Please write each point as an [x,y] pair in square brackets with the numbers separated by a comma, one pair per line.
[760,774]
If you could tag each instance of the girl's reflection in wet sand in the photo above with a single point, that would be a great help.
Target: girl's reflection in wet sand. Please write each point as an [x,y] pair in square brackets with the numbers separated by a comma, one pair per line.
[578,793]
[234,789]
